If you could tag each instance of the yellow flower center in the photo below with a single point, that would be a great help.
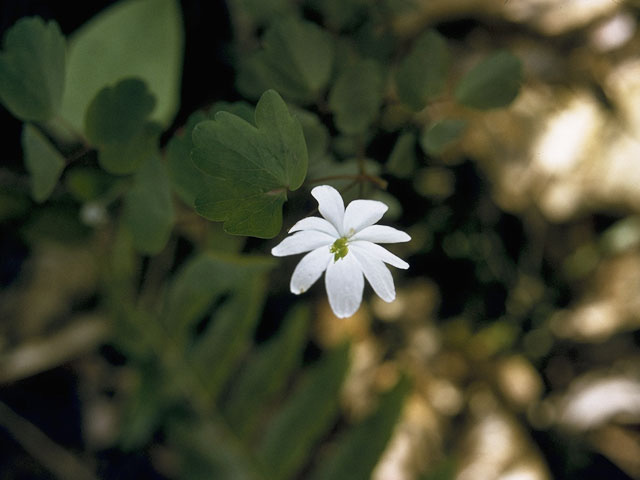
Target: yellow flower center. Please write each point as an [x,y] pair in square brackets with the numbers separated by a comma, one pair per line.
[339,248]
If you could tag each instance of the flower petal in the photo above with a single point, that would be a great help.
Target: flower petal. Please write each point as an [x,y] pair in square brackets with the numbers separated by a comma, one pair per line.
[301,242]
[315,223]
[309,269]
[379,252]
[330,205]
[377,273]
[344,284]
[362,213]
[381,234]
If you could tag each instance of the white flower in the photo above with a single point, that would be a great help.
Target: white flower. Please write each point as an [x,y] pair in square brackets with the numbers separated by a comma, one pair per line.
[344,244]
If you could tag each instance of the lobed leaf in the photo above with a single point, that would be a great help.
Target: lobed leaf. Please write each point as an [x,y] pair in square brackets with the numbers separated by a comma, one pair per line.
[133,38]
[116,123]
[32,69]
[493,83]
[43,161]
[356,96]
[252,167]
[296,60]
[421,75]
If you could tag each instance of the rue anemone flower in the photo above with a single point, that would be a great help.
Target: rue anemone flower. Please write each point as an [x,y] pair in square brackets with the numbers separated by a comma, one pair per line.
[344,243]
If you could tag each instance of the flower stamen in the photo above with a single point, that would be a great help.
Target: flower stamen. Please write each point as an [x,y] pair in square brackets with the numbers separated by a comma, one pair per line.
[339,249]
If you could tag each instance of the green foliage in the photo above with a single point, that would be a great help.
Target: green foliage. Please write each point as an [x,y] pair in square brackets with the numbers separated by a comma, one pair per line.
[265,375]
[133,38]
[186,179]
[185,313]
[493,83]
[116,122]
[148,209]
[359,450]
[356,96]
[296,61]
[32,69]
[441,134]
[402,160]
[44,163]
[294,430]
[421,75]
[251,167]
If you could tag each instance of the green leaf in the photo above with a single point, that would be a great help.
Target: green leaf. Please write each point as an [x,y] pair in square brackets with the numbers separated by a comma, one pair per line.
[493,83]
[402,161]
[265,374]
[116,123]
[360,449]
[43,162]
[210,451]
[242,109]
[186,179]
[296,60]
[32,69]
[201,280]
[143,412]
[339,14]
[148,209]
[89,183]
[253,167]
[315,133]
[356,96]
[228,335]
[421,75]
[133,38]
[306,416]
[438,136]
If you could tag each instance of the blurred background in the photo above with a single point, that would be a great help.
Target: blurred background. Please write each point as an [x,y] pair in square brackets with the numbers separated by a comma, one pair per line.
[518,322]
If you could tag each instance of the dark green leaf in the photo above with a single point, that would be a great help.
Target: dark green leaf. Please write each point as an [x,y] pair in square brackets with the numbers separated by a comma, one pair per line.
[210,451]
[88,183]
[441,134]
[292,433]
[43,162]
[133,38]
[148,209]
[493,83]
[266,373]
[228,335]
[421,75]
[360,449]
[116,123]
[374,42]
[339,14]
[32,69]
[296,61]
[186,179]
[402,161]
[315,133]
[253,167]
[242,109]
[356,96]
[145,408]
[201,280]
